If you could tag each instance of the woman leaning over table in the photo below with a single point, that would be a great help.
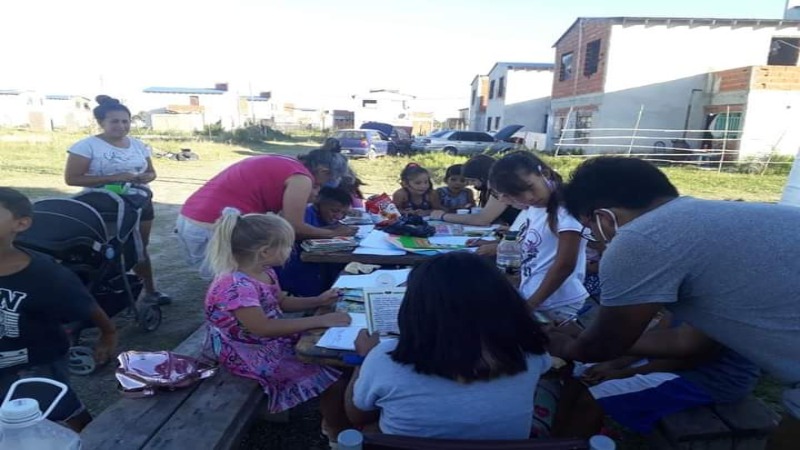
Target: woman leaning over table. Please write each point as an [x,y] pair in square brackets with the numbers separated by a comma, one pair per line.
[114,157]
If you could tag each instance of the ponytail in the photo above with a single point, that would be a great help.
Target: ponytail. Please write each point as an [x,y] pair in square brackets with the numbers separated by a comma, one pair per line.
[219,256]
[238,237]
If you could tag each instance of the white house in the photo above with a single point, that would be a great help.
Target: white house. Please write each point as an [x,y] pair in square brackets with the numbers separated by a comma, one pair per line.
[383,105]
[71,112]
[479,99]
[518,94]
[211,105]
[23,108]
[663,74]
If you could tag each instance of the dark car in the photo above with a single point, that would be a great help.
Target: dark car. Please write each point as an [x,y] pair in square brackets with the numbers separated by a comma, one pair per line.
[362,143]
[504,141]
[399,137]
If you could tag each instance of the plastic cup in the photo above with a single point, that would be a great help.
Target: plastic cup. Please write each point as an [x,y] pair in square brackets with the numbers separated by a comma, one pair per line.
[350,440]
[462,211]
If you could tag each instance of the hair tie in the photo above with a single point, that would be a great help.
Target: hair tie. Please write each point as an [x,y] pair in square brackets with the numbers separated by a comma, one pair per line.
[231,211]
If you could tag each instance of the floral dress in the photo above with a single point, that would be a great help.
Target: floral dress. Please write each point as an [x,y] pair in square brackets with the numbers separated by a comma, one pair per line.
[269,360]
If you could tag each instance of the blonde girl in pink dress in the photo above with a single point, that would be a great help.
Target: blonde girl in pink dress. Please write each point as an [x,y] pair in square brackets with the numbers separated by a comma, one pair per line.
[244,309]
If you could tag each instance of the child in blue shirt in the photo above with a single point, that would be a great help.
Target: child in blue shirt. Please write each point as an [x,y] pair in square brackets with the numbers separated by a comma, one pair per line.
[306,279]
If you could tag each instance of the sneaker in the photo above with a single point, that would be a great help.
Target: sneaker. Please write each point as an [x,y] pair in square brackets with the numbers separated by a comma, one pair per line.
[159,298]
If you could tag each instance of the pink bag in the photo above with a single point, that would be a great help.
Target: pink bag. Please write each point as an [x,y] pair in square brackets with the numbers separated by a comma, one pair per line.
[141,374]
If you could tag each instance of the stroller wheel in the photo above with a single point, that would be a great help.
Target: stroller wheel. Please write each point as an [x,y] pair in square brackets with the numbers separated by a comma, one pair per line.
[81,360]
[149,317]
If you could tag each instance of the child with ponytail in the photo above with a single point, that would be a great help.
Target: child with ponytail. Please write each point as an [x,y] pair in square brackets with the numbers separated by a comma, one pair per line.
[244,309]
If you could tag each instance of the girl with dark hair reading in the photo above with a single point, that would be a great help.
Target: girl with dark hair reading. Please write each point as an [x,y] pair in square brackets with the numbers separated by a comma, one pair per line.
[114,157]
[553,251]
[416,196]
[466,363]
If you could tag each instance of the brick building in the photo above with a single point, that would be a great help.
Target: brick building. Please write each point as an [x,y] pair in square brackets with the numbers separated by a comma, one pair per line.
[673,74]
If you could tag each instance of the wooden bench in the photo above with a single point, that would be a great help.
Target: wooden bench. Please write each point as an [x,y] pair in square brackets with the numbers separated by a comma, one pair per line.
[745,425]
[212,414]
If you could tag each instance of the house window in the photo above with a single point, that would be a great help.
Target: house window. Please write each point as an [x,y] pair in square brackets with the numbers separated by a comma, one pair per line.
[491,89]
[497,123]
[501,87]
[783,51]
[370,104]
[583,122]
[194,100]
[474,95]
[488,124]
[565,70]
[592,60]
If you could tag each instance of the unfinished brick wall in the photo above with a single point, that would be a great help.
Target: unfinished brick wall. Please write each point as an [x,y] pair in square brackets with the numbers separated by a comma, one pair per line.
[580,84]
[734,79]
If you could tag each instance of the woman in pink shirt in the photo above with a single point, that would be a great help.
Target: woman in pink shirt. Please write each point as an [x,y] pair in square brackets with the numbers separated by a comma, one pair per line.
[261,184]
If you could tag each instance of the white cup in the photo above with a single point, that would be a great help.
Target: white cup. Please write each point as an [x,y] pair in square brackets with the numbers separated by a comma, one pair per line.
[462,211]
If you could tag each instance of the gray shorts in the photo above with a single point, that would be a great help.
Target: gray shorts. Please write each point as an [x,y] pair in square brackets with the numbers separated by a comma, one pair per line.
[69,406]
[195,240]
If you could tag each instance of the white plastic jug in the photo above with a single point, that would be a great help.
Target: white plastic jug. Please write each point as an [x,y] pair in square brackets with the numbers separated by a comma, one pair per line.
[24,427]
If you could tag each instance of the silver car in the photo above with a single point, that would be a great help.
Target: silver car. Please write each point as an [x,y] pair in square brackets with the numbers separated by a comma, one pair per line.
[462,142]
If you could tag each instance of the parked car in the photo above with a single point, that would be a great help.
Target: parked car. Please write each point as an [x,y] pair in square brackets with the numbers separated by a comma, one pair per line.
[362,143]
[399,137]
[455,143]
[505,140]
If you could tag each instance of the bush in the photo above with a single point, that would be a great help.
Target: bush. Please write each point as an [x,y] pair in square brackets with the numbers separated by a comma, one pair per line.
[772,164]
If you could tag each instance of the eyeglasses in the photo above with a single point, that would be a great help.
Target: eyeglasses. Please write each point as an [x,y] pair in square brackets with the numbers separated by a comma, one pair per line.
[586,233]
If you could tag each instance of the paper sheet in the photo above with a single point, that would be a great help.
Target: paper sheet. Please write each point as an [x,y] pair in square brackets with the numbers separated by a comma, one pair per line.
[358,320]
[339,338]
[364,231]
[382,307]
[376,239]
[378,278]
[448,240]
[378,251]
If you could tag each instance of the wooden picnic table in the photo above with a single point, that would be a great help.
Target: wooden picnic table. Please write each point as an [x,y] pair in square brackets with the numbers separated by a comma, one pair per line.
[307,350]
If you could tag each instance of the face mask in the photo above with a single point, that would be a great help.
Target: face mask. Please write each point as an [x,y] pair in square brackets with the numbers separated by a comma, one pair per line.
[600,225]
[333,183]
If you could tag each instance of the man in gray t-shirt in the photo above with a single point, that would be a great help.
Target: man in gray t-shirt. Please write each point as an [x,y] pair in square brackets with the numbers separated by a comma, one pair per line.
[729,269]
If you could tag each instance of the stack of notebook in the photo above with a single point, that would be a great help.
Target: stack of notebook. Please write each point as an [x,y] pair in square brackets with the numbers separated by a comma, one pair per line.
[337,244]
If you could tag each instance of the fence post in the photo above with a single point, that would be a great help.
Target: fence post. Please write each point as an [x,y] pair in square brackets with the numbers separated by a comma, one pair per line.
[561,138]
[724,138]
[635,129]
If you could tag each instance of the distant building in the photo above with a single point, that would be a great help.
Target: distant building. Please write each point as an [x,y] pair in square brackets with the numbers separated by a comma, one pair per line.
[69,112]
[479,99]
[339,119]
[206,106]
[519,94]
[383,105]
[23,108]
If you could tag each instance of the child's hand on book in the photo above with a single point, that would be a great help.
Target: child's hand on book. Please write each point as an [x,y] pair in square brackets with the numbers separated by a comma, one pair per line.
[366,342]
[337,319]
[329,297]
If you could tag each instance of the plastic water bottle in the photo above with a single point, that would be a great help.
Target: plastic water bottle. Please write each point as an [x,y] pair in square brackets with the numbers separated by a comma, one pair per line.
[509,255]
[24,427]
[350,440]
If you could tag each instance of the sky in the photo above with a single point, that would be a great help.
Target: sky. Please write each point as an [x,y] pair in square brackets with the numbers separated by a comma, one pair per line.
[314,53]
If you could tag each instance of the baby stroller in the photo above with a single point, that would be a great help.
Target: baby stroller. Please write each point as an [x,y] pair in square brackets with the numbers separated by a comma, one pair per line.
[95,235]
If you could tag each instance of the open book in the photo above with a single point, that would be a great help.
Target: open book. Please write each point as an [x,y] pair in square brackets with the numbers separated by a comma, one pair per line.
[382,306]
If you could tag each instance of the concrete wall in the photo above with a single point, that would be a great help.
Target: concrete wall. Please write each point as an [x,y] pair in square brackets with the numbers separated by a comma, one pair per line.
[24,109]
[70,114]
[176,122]
[642,55]
[525,97]
[393,108]
[532,114]
[770,123]
[477,109]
